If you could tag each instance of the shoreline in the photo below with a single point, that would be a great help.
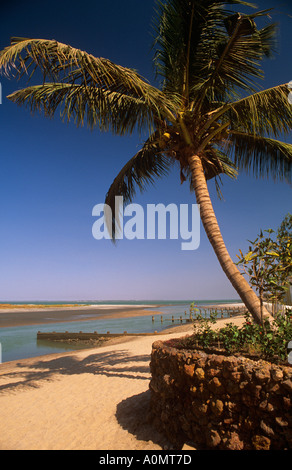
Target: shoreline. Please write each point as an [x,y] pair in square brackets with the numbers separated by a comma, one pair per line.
[51,307]
[169,331]
[35,315]
[86,345]
[30,317]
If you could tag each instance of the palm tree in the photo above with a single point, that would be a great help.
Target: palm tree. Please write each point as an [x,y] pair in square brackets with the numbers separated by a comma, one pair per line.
[208,112]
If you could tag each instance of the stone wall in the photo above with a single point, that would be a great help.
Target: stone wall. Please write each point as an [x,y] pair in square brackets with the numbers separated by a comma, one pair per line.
[217,401]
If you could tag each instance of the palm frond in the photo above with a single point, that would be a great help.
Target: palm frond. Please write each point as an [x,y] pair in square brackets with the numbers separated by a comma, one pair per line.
[180,27]
[141,170]
[267,112]
[62,63]
[215,164]
[107,110]
[197,51]
[235,63]
[262,156]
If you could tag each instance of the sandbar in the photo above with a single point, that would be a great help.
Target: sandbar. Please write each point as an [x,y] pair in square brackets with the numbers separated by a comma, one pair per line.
[17,315]
[12,317]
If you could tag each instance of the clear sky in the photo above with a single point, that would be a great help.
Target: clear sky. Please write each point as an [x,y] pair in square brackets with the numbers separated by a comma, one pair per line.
[52,174]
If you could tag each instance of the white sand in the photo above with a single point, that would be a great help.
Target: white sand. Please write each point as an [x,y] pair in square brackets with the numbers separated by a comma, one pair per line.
[94,399]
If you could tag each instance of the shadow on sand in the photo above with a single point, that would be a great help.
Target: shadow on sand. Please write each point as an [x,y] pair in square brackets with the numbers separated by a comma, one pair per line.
[111,363]
[133,415]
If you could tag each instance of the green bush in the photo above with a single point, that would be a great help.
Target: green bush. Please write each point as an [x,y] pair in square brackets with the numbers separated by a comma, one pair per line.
[268,341]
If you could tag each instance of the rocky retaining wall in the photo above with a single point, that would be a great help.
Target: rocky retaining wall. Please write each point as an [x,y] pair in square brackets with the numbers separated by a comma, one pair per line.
[220,402]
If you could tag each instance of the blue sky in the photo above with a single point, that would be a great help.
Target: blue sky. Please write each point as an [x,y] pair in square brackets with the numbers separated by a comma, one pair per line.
[52,175]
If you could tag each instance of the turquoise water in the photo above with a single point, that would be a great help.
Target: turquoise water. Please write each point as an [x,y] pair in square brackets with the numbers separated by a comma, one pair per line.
[21,342]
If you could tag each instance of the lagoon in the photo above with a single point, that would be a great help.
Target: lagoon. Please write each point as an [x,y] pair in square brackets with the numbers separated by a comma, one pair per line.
[21,342]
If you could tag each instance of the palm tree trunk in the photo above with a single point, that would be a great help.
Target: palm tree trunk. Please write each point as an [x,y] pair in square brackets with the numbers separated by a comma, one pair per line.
[212,229]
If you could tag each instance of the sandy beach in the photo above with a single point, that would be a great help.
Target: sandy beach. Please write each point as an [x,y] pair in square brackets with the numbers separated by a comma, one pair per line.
[93,399]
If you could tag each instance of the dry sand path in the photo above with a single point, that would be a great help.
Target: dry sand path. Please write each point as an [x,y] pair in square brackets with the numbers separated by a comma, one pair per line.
[93,399]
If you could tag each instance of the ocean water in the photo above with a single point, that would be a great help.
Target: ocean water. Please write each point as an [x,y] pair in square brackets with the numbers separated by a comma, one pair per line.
[21,342]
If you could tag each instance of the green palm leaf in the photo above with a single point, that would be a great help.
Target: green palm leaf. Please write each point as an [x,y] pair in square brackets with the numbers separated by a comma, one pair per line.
[64,64]
[266,112]
[200,57]
[141,170]
[235,62]
[262,156]
[107,110]
[215,164]
[180,28]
